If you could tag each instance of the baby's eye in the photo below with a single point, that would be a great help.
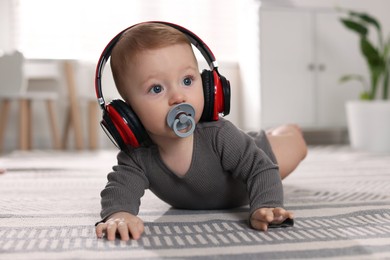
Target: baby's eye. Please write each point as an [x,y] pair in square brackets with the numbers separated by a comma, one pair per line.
[156,89]
[187,81]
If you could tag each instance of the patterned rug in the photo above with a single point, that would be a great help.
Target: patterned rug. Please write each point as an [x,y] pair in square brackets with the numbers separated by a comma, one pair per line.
[49,202]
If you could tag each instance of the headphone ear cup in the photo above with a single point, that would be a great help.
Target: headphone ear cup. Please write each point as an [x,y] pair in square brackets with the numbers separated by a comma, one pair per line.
[226,94]
[216,90]
[208,93]
[128,128]
[111,131]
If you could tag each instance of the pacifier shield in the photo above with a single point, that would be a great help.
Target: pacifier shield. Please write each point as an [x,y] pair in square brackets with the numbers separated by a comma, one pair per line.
[181,117]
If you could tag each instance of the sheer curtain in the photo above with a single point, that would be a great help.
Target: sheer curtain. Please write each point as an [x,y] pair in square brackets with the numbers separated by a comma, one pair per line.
[80,29]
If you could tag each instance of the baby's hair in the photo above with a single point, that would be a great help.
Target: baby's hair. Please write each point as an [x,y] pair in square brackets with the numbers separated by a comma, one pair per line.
[144,36]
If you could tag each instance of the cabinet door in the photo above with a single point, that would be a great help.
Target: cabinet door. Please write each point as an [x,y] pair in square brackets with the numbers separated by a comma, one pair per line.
[337,53]
[287,80]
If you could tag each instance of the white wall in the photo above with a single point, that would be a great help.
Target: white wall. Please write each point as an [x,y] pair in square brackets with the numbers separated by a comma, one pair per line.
[378,8]
[249,64]
[5,25]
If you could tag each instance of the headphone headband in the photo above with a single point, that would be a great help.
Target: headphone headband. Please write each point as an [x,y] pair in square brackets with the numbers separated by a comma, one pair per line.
[193,38]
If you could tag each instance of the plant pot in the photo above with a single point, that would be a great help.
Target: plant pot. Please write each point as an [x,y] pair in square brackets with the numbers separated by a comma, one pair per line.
[369,125]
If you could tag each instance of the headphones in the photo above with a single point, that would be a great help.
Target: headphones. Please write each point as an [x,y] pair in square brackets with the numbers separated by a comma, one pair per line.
[120,122]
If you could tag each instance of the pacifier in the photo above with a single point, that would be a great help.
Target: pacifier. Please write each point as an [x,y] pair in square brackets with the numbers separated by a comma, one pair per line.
[181,117]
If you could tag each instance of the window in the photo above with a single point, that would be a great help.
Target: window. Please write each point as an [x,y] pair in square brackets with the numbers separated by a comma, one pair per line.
[80,29]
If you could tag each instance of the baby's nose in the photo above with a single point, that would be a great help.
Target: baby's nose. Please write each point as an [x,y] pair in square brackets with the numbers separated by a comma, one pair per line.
[177,97]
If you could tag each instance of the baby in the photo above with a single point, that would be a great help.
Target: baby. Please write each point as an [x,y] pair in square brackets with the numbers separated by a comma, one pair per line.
[174,143]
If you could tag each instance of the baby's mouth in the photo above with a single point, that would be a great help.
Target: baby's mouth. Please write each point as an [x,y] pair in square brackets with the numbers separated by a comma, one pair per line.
[181,119]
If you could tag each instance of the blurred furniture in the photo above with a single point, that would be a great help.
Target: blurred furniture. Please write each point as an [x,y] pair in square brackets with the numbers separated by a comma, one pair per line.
[73,118]
[86,75]
[93,113]
[13,86]
[303,55]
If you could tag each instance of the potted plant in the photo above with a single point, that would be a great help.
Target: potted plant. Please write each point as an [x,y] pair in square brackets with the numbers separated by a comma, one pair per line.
[369,118]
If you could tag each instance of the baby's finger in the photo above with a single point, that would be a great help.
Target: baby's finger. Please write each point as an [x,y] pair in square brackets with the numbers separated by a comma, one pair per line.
[123,231]
[135,231]
[111,230]
[289,214]
[141,227]
[264,214]
[279,215]
[280,212]
[259,225]
[100,228]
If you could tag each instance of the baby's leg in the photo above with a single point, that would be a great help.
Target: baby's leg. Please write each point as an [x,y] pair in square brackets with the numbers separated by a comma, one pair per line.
[289,147]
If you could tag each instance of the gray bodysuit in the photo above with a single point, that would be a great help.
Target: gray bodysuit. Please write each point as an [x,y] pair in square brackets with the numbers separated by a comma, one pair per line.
[229,168]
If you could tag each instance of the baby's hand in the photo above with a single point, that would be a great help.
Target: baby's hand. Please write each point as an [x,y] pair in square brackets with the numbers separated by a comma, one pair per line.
[262,217]
[122,223]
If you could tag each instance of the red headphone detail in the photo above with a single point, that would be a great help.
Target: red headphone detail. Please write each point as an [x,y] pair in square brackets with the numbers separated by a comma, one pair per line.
[125,132]
[219,104]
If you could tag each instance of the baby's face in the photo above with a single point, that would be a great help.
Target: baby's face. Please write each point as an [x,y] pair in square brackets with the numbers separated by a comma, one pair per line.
[160,79]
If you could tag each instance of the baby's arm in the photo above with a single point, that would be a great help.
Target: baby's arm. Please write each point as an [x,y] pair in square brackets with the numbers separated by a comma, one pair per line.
[120,200]
[122,223]
[263,217]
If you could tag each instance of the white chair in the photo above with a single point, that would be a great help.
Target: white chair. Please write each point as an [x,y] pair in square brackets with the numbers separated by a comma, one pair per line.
[13,87]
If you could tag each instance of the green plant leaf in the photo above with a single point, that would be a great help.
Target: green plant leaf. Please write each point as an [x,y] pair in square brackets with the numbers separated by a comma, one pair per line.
[386,48]
[365,96]
[376,54]
[371,53]
[375,63]
[354,26]
[385,93]
[356,77]
[349,77]
[367,18]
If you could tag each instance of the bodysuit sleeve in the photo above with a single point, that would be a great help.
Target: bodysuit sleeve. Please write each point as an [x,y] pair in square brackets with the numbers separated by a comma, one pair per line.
[245,160]
[125,187]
